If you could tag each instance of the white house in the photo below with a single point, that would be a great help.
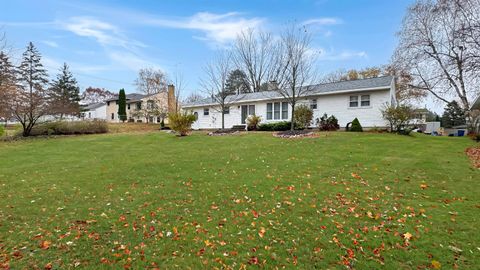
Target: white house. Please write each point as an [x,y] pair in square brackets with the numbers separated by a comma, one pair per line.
[95,111]
[362,99]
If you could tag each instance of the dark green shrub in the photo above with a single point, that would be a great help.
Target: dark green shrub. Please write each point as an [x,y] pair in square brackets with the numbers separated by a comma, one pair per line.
[356,127]
[122,105]
[69,128]
[327,123]
[277,126]
[303,116]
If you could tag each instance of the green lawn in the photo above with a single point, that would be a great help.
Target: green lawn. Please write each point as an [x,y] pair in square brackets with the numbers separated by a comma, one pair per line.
[364,201]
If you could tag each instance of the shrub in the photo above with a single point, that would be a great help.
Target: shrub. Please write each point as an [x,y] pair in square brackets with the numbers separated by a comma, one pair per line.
[397,117]
[277,126]
[2,131]
[356,127]
[181,122]
[253,121]
[69,128]
[303,116]
[327,123]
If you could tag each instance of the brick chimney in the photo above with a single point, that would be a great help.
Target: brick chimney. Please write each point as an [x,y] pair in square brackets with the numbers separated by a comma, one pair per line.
[171,98]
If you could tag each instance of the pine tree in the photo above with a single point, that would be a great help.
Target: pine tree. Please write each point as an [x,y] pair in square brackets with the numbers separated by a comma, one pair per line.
[122,105]
[64,94]
[7,86]
[356,126]
[236,82]
[32,97]
[453,115]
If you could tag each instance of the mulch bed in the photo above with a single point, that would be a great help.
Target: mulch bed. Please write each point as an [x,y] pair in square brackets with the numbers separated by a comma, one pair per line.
[474,154]
[223,132]
[295,134]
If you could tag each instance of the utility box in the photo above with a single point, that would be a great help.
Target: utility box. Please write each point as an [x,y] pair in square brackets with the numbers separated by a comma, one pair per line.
[432,127]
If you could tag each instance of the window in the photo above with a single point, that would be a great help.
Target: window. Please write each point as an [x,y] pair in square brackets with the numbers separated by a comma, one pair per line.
[113,116]
[276,110]
[365,100]
[269,111]
[89,115]
[313,104]
[226,110]
[251,109]
[196,115]
[128,106]
[139,105]
[116,102]
[284,110]
[206,111]
[150,105]
[353,101]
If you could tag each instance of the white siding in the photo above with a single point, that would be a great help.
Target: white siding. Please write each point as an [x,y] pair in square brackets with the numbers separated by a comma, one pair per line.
[99,113]
[333,104]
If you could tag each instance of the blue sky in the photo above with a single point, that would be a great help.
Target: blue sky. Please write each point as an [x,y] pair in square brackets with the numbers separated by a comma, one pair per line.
[106,43]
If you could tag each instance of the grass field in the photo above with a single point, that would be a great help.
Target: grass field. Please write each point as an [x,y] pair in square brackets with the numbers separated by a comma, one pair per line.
[342,200]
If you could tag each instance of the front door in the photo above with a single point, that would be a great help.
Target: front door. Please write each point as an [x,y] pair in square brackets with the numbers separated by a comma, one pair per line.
[246,111]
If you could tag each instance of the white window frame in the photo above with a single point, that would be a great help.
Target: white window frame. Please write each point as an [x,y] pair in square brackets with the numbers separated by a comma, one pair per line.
[270,112]
[364,100]
[313,104]
[206,111]
[353,99]
[284,106]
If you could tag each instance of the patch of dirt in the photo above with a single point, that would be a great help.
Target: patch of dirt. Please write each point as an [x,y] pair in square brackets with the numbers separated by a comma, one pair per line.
[295,134]
[223,132]
[474,154]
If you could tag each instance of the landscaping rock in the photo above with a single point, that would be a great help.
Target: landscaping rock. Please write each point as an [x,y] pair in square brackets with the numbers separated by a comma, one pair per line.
[294,134]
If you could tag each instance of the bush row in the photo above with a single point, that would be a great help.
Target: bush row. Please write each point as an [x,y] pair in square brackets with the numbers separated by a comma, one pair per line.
[69,128]
[278,126]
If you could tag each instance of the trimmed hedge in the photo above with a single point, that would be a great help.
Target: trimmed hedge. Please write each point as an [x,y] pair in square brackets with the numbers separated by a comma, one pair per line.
[278,126]
[69,128]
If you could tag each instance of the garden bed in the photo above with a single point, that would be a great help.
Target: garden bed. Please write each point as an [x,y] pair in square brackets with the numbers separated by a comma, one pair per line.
[223,132]
[474,154]
[294,134]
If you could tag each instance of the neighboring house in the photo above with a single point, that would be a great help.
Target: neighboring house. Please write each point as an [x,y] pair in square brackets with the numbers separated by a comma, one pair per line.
[144,108]
[346,100]
[96,111]
[420,116]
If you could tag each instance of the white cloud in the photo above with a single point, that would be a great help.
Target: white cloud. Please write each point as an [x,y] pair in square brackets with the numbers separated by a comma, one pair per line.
[217,28]
[104,33]
[332,55]
[323,21]
[50,43]
[131,61]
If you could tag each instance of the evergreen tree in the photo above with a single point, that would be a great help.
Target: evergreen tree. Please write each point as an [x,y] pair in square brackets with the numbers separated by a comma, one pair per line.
[64,94]
[7,86]
[356,126]
[31,99]
[122,105]
[236,83]
[453,115]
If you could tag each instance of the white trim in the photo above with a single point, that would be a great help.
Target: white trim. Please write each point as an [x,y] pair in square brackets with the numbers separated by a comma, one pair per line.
[302,97]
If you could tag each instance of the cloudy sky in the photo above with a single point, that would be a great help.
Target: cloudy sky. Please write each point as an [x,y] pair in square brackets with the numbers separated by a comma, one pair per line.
[106,43]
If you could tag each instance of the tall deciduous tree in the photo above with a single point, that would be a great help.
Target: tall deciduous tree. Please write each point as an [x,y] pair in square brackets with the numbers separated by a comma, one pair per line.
[297,74]
[435,48]
[151,81]
[7,86]
[215,83]
[64,94]
[31,100]
[96,95]
[122,105]
[255,53]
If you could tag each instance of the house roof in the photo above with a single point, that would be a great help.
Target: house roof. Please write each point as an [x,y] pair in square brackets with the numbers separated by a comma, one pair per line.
[133,97]
[94,106]
[319,89]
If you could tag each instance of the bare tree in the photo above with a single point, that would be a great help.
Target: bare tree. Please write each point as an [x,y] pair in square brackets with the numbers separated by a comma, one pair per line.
[193,97]
[436,52]
[96,95]
[151,109]
[297,74]
[7,86]
[255,53]
[214,83]
[180,84]
[151,81]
